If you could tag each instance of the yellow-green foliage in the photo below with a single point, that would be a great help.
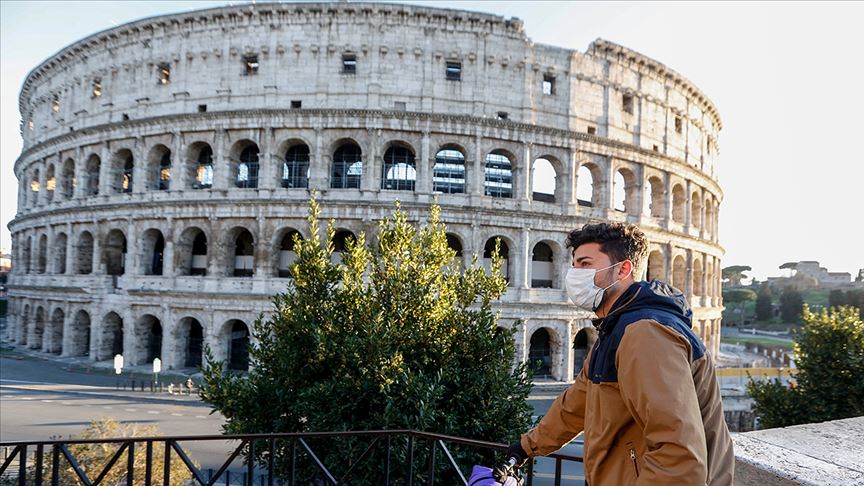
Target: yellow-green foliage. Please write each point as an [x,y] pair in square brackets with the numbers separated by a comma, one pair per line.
[92,458]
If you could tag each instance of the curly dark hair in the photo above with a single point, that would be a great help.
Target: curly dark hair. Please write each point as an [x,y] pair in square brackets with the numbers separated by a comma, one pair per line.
[618,240]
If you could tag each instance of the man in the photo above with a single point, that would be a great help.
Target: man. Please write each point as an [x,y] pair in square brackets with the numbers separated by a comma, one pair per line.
[647,397]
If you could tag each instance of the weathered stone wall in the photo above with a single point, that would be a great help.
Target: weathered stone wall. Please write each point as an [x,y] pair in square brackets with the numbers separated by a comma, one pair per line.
[111,194]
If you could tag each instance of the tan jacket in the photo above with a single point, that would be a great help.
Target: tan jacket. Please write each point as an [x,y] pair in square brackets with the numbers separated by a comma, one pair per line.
[660,423]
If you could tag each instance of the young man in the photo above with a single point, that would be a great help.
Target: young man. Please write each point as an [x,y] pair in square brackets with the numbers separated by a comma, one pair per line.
[647,397]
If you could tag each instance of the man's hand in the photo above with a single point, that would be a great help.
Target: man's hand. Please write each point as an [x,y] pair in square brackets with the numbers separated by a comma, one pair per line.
[515,456]
[516,452]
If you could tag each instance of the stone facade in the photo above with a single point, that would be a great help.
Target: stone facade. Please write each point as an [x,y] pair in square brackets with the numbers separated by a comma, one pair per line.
[168,161]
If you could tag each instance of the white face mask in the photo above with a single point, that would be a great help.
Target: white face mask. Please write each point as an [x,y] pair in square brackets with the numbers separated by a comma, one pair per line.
[582,290]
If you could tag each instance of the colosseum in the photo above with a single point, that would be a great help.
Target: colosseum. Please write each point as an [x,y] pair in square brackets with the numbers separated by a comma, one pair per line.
[168,162]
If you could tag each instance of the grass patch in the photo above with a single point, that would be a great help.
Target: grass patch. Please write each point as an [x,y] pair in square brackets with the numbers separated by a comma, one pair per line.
[761,341]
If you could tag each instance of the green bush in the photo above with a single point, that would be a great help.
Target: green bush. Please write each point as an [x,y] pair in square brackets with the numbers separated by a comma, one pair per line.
[829,385]
[397,336]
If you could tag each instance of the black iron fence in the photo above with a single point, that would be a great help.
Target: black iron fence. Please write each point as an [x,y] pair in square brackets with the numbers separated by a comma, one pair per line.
[407,457]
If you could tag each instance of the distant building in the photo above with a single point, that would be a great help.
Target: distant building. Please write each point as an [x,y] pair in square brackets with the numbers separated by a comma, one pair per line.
[808,274]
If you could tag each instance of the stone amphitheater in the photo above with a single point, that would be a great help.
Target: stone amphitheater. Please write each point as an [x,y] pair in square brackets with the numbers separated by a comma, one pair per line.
[168,162]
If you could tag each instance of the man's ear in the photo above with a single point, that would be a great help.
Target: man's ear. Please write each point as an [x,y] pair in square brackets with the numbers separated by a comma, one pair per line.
[626,269]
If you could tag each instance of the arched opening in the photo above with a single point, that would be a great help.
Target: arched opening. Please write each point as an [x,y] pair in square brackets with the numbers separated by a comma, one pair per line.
[655,194]
[295,168]
[697,278]
[286,253]
[341,241]
[94,165]
[35,187]
[160,168]
[400,172]
[84,262]
[244,254]
[148,339]
[498,175]
[542,271]
[503,252]
[80,342]
[347,167]
[540,353]
[124,166]
[42,254]
[114,252]
[709,218]
[581,344]
[585,187]
[50,183]
[68,182]
[656,266]
[58,256]
[679,201]
[190,343]
[543,181]
[152,252]
[190,252]
[201,165]
[624,191]
[111,337]
[246,175]
[238,345]
[679,273]
[455,244]
[38,329]
[54,342]
[695,211]
[448,173]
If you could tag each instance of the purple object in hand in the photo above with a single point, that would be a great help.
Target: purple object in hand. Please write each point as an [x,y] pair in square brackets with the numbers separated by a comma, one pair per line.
[482,476]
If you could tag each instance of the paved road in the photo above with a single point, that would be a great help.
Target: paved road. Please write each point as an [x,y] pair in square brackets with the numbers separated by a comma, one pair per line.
[42,399]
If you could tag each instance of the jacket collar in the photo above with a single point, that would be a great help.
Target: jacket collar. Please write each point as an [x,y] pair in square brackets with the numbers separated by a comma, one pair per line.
[619,305]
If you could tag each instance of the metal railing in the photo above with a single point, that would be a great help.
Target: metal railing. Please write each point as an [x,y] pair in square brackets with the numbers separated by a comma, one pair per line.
[266,468]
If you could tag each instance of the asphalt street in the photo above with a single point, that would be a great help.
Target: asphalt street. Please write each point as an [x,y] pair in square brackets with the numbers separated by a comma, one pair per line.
[45,399]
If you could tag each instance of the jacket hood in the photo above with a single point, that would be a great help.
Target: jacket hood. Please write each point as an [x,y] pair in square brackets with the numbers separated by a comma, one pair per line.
[655,295]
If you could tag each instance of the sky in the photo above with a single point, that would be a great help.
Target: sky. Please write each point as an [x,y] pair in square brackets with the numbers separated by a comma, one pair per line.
[786,78]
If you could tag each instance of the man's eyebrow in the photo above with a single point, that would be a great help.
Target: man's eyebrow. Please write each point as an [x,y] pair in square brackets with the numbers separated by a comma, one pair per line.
[582,258]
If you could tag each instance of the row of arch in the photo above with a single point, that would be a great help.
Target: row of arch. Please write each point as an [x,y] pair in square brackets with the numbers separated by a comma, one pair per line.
[625,187]
[193,254]
[181,344]
[140,341]
[236,250]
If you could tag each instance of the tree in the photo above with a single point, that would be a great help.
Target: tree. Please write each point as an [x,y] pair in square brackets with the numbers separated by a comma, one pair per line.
[830,358]
[836,298]
[860,277]
[790,305]
[855,298]
[92,458]
[764,307]
[737,299]
[396,336]
[791,266]
[733,274]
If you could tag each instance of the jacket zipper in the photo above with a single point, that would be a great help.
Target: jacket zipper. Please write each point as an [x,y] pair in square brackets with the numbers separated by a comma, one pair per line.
[633,458]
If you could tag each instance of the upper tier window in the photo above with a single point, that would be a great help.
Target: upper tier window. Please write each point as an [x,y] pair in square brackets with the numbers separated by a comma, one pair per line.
[250,64]
[454,71]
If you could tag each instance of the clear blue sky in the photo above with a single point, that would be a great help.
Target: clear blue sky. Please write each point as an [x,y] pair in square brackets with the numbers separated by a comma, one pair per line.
[786,77]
